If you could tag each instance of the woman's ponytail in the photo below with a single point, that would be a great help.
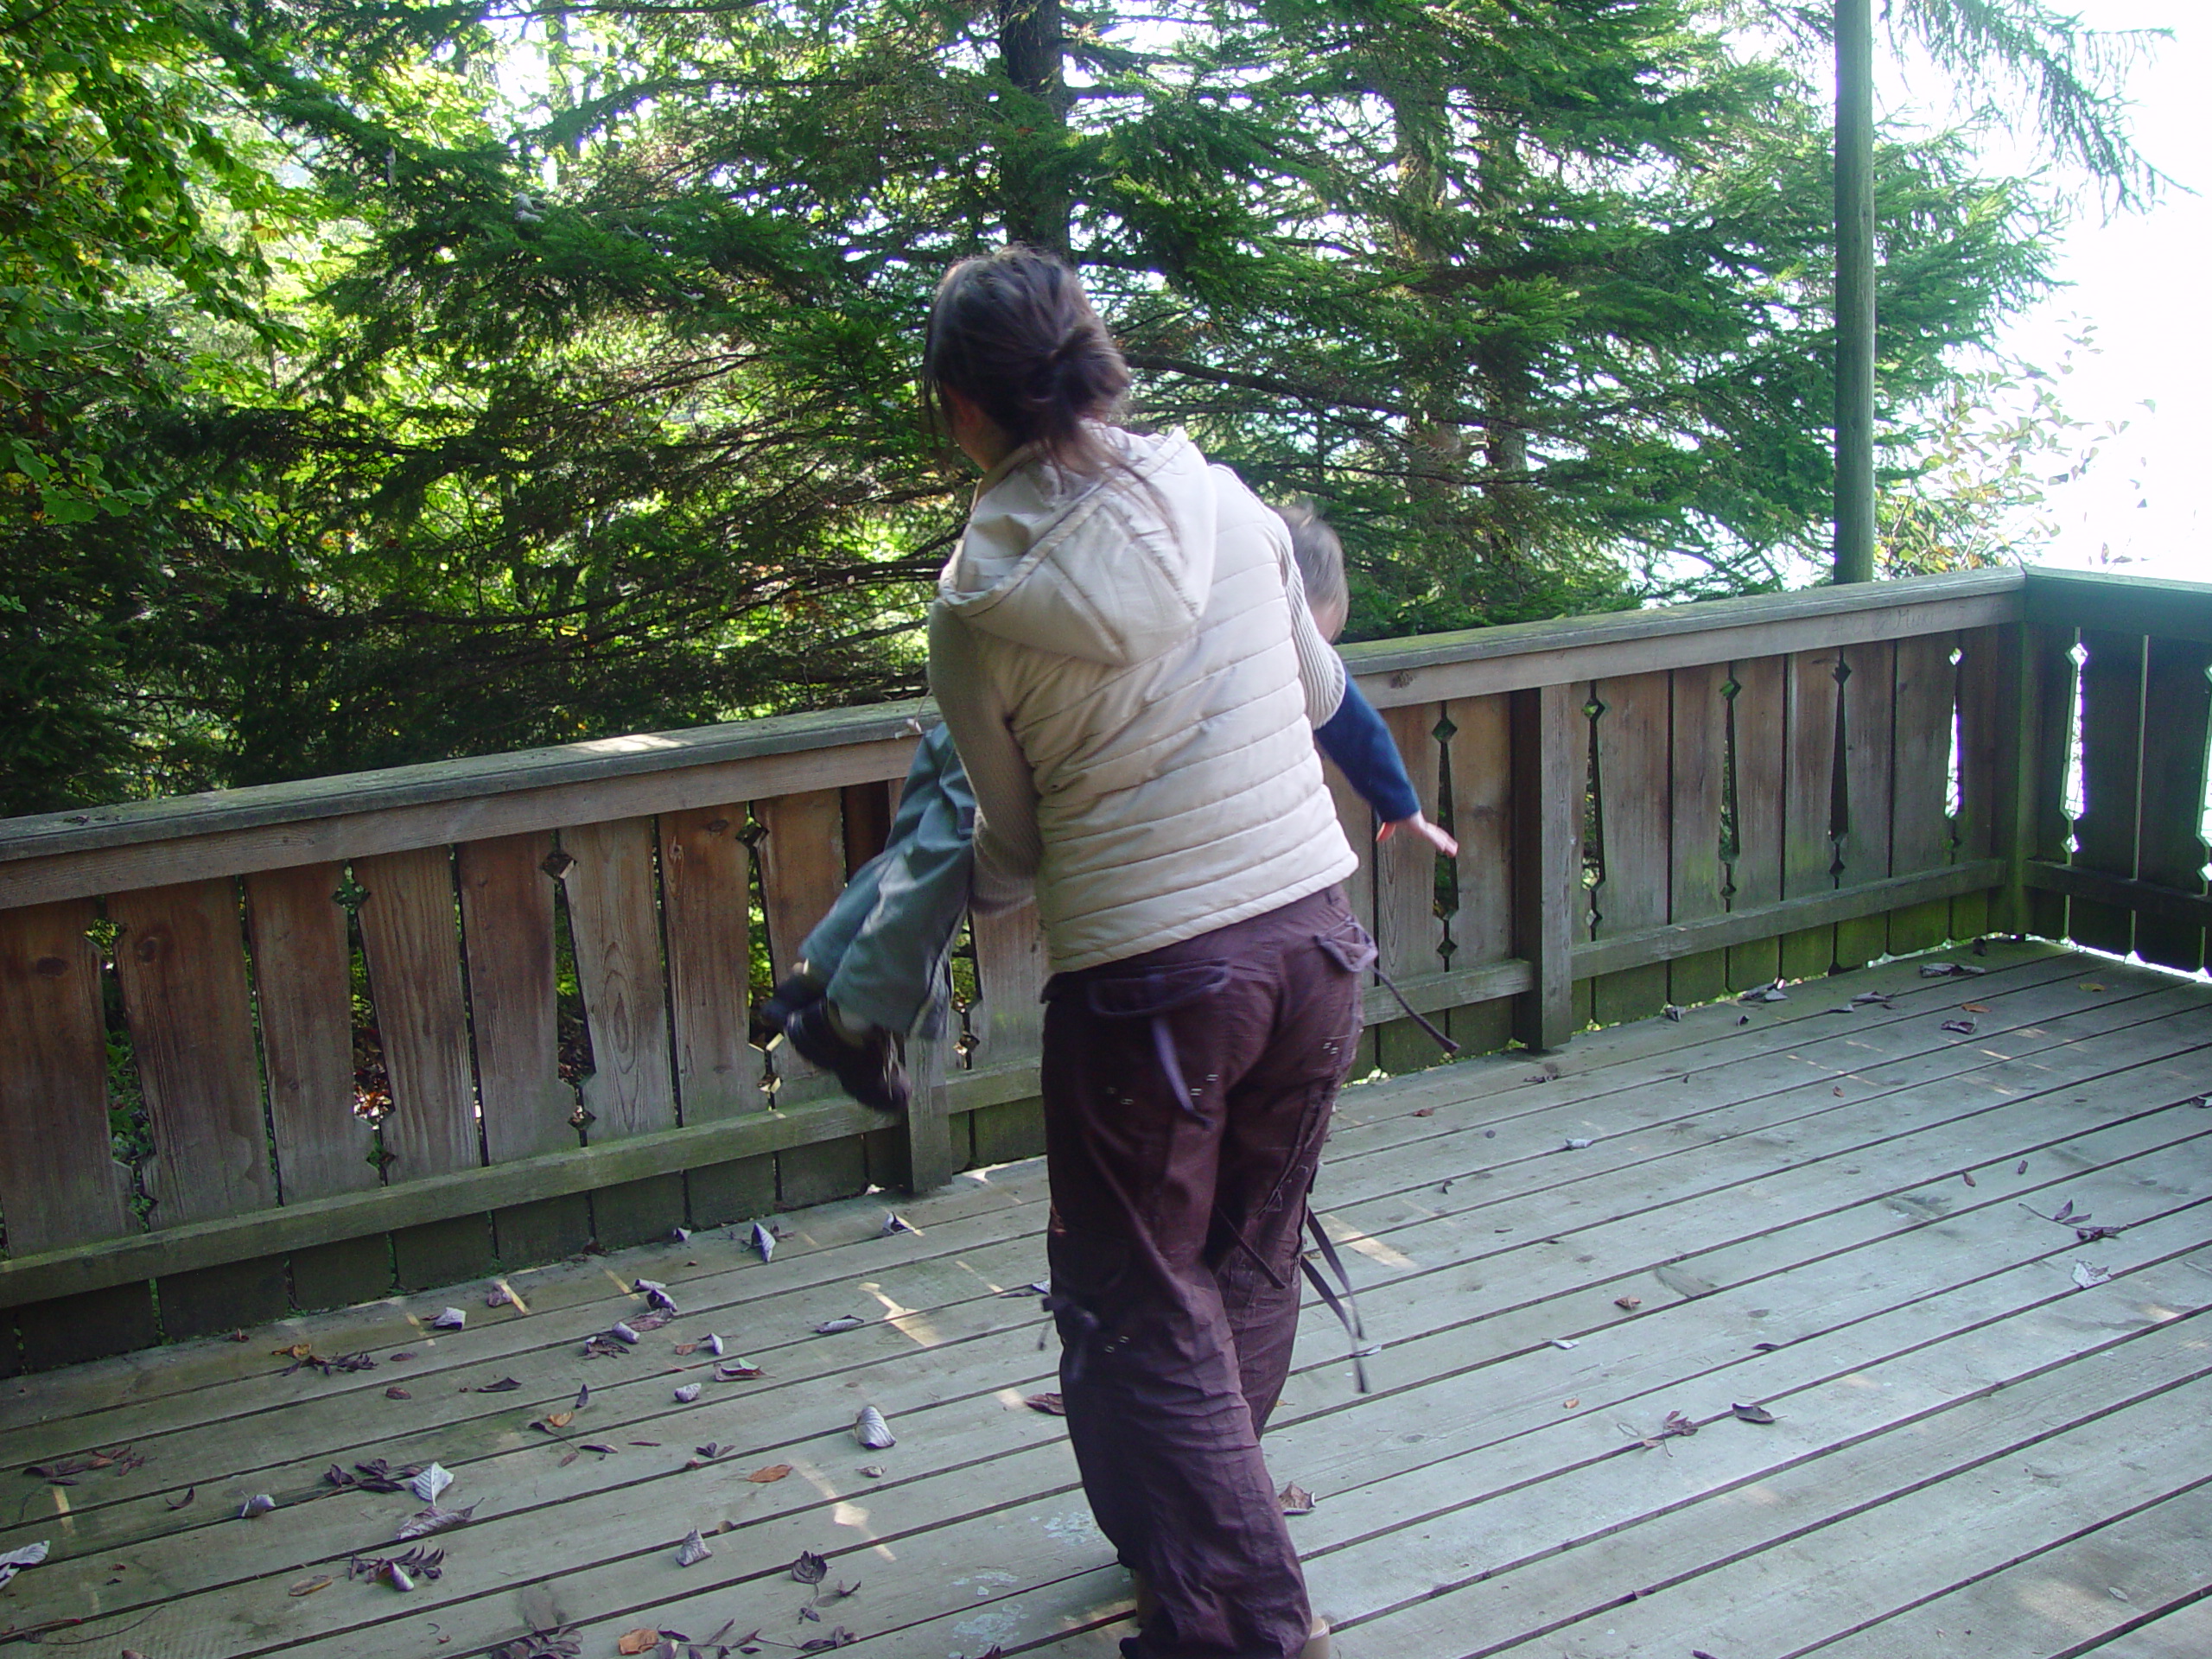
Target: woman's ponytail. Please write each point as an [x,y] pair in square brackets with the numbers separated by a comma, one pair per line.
[1013,332]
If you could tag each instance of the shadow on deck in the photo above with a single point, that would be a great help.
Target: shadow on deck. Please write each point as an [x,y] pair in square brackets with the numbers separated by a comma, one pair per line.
[1991,1429]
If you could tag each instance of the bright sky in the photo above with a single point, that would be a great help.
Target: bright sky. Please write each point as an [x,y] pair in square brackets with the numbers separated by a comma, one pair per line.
[2141,280]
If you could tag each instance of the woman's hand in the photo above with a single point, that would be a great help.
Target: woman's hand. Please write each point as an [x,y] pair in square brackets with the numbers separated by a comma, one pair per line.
[1419,825]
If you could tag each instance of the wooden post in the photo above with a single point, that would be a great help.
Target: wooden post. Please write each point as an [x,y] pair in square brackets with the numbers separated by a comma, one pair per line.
[1548,761]
[1855,290]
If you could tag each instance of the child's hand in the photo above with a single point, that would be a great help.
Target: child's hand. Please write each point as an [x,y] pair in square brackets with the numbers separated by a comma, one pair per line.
[1419,825]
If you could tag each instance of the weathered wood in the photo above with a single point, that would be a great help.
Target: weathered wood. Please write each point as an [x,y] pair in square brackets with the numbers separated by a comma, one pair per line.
[634,1211]
[1924,727]
[868,810]
[2171,850]
[1790,918]
[1007,1021]
[228,1298]
[60,1184]
[2112,778]
[730,1191]
[1408,935]
[229,832]
[1634,797]
[1869,696]
[506,914]
[412,939]
[1989,761]
[112,1319]
[341,1274]
[1479,755]
[706,878]
[1550,755]
[35,1276]
[1808,827]
[2099,599]
[1462,988]
[615,922]
[1435,668]
[802,871]
[443,1252]
[1758,721]
[1698,738]
[2039,829]
[2118,894]
[925,1157]
[303,988]
[181,956]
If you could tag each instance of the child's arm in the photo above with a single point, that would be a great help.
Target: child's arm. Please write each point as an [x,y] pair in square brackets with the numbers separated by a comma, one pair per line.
[1360,745]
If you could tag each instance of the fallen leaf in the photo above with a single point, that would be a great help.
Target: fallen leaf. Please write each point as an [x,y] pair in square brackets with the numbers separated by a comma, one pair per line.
[567,1458]
[451,1319]
[1051,1404]
[2088,1276]
[1752,1414]
[1578,1142]
[1569,1405]
[1425,1111]
[558,1419]
[1964,1028]
[1967,1175]
[1629,1303]
[2091,985]
[1765,1347]
[687,1394]
[843,1322]
[1564,1342]
[1974,1007]
[308,1586]
[256,1506]
[894,1222]
[434,1519]
[190,1492]
[432,1481]
[773,1471]
[809,1568]
[872,1431]
[743,1371]
[693,1550]
[395,1392]
[637,1641]
[499,1296]
[765,1241]
[2021,1168]
[839,1637]
[873,1471]
[1295,1500]
[2064,1212]
[16,1561]
[504,1385]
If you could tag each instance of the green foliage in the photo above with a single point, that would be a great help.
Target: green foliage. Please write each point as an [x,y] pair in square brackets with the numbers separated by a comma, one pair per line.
[581,397]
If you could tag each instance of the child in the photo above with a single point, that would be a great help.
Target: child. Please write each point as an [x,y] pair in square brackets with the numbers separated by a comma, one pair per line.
[872,965]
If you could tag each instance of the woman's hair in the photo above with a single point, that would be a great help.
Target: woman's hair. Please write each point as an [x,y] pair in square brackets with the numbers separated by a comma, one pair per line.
[1320,556]
[1014,333]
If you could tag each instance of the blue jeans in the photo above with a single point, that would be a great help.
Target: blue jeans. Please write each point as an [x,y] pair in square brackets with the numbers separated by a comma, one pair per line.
[881,951]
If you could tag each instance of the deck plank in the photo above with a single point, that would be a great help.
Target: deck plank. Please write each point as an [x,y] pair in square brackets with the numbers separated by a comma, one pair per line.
[1799,1179]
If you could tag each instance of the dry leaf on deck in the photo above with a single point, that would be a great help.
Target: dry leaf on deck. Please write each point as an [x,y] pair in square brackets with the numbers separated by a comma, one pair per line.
[499,1296]
[504,1385]
[1752,1414]
[2090,1275]
[895,1222]
[1426,1111]
[433,1480]
[16,1561]
[308,1586]
[687,1394]
[2065,1211]
[259,1505]
[839,1637]
[451,1319]
[1974,1007]
[765,1241]
[872,1431]
[1295,1500]
[434,1519]
[1967,1175]
[809,1568]
[637,1641]
[1051,1404]
[743,1371]
[395,1392]
[2091,985]
[1964,1028]
[843,1322]
[558,1419]
[693,1550]
[190,1492]
[1628,1303]
[773,1471]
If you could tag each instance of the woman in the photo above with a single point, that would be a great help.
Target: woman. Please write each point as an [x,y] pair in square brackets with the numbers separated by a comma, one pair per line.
[1125,659]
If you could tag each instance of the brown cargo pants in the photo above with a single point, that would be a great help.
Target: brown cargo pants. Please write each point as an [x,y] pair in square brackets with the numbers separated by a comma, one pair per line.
[1188,1092]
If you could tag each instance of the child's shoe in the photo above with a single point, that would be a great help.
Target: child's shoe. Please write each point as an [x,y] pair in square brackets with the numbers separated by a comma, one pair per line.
[795,992]
[867,1066]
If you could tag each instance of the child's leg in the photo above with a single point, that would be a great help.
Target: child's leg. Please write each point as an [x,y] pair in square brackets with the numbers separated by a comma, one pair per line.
[889,966]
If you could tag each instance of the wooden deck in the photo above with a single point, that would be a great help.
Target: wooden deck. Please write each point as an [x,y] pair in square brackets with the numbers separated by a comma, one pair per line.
[1827,1210]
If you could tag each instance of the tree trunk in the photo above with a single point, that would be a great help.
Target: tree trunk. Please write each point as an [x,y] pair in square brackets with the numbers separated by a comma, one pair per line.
[1031,147]
[1855,290]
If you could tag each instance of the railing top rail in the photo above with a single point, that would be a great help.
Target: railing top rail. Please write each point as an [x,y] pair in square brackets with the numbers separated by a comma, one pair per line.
[2097,599]
[1528,652]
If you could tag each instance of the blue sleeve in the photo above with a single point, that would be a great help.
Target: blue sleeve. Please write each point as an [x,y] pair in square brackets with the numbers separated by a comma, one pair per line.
[1358,741]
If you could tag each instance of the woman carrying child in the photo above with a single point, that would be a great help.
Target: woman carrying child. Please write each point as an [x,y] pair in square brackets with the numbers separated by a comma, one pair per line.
[1126,661]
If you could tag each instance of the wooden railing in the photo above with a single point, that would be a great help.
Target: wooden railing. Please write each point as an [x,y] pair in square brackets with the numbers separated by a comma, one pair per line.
[409,1027]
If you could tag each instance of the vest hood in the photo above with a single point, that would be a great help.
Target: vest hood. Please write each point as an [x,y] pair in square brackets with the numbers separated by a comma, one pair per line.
[1113,569]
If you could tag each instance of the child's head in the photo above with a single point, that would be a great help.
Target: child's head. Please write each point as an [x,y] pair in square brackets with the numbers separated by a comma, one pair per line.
[1321,562]
[1012,334]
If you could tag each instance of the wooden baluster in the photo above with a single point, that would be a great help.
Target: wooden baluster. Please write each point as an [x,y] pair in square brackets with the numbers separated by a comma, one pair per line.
[614,921]
[1408,934]
[1808,806]
[412,935]
[1698,785]
[802,873]
[706,873]
[2172,851]
[181,958]
[1989,692]
[2040,829]
[1551,758]
[2112,779]
[1920,822]
[1758,724]
[1481,758]
[304,987]
[1869,723]
[1632,818]
[60,1184]
[506,915]
[1010,971]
